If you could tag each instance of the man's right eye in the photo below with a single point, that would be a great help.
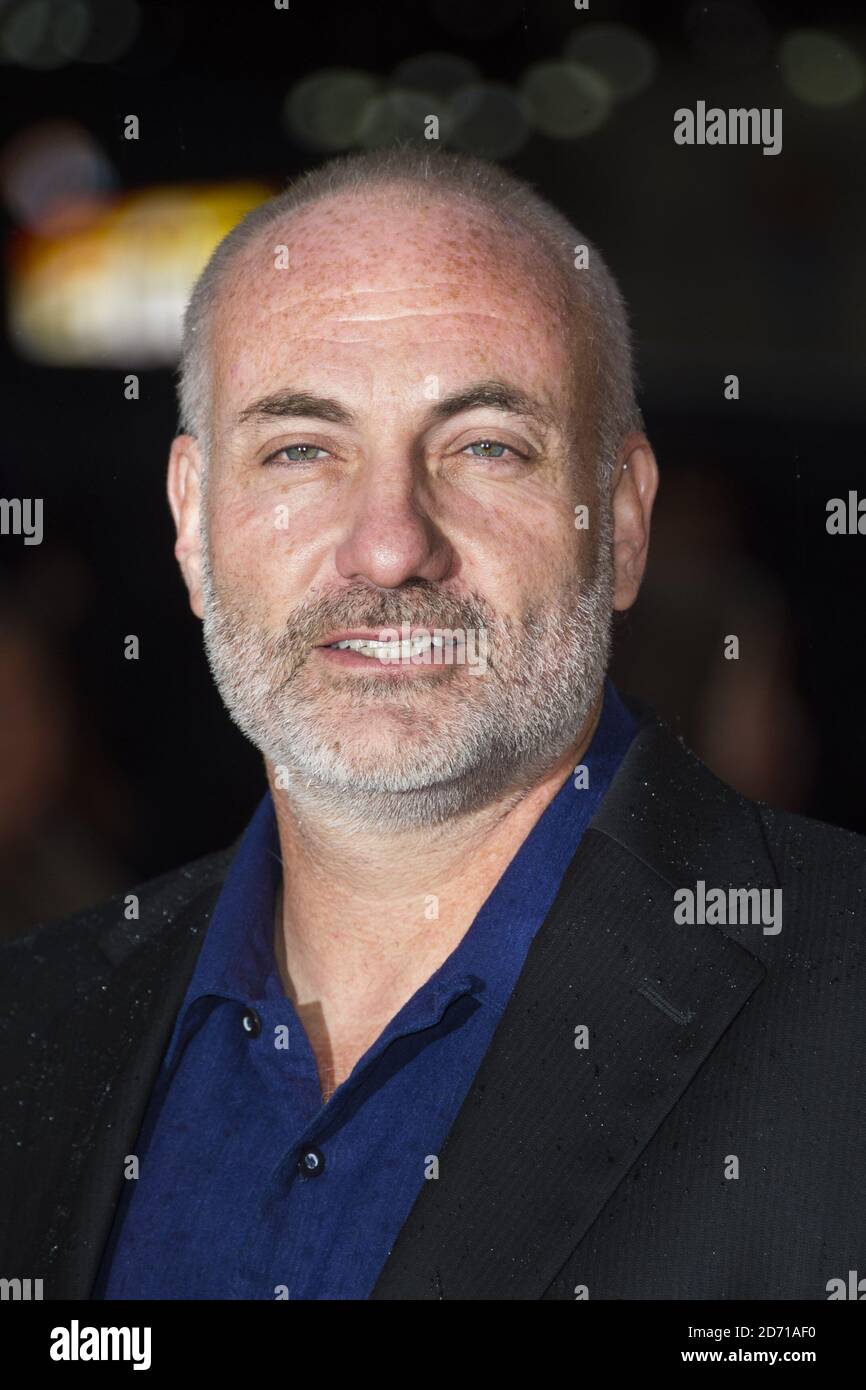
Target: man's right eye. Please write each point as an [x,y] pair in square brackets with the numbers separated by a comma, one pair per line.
[295,453]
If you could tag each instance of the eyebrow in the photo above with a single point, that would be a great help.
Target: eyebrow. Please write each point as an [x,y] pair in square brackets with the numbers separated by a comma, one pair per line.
[493,393]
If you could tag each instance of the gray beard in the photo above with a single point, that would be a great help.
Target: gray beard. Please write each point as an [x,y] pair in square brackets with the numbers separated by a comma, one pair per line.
[444,745]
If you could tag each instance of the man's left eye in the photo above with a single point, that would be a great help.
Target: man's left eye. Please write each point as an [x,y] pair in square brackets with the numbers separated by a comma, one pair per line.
[492,449]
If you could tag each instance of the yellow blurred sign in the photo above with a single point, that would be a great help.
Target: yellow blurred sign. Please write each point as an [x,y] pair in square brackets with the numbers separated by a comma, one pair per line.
[112,293]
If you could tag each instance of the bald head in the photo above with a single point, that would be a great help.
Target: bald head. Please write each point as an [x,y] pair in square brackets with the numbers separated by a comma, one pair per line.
[427,218]
[374,296]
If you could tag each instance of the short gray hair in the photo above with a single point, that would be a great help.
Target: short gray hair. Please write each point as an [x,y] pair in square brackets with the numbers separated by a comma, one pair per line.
[591,294]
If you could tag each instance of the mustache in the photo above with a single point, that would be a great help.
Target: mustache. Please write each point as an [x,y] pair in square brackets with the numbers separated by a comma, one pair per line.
[420,605]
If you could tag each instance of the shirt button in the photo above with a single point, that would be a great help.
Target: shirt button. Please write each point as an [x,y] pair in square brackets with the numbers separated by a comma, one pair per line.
[252,1023]
[311,1163]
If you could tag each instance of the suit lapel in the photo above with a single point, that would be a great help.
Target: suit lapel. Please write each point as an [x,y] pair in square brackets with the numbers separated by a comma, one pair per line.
[117,1036]
[549,1130]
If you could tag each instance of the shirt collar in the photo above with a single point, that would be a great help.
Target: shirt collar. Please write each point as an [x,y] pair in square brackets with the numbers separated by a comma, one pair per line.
[238,951]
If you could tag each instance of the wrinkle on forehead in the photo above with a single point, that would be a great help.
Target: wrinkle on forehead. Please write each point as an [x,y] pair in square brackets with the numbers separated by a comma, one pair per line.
[361,245]
[338,308]
[439,315]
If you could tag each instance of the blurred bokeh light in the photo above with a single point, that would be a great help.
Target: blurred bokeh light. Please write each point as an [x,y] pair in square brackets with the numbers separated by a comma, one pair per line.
[622,56]
[53,175]
[438,72]
[46,34]
[821,69]
[328,110]
[489,119]
[400,114]
[566,100]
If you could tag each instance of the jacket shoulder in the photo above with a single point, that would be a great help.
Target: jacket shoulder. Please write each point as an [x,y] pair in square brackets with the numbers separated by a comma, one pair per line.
[58,960]
[804,847]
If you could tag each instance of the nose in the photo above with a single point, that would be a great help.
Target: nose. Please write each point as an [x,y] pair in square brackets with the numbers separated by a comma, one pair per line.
[390,537]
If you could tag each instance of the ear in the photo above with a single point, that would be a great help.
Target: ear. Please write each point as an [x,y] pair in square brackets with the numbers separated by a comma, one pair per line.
[184,498]
[635,484]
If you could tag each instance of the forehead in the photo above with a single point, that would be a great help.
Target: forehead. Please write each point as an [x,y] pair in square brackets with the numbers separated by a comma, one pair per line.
[375,294]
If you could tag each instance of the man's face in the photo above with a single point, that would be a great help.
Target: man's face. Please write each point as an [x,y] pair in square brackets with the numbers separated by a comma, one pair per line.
[394,503]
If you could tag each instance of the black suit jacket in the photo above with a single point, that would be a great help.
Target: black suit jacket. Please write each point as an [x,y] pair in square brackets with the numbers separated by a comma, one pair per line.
[601,1172]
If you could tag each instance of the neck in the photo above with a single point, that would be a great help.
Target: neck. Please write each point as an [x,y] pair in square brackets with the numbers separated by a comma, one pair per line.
[365,918]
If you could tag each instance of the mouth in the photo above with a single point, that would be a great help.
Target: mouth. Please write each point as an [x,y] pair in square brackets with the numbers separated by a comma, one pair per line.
[363,647]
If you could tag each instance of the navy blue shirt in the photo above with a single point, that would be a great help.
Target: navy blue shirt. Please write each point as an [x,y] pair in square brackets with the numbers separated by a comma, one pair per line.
[249,1186]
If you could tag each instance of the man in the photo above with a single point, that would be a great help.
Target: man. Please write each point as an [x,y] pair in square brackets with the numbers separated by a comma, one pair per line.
[501,995]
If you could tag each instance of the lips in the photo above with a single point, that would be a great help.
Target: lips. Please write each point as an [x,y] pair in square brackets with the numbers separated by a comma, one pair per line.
[374,634]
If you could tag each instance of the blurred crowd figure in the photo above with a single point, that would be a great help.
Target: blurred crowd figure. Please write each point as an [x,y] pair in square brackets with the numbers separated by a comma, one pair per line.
[60,806]
[745,717]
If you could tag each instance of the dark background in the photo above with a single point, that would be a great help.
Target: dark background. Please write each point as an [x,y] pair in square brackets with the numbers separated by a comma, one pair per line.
[730,261]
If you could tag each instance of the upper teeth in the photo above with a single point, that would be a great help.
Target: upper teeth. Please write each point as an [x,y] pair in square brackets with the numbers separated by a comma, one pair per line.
[371,646]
